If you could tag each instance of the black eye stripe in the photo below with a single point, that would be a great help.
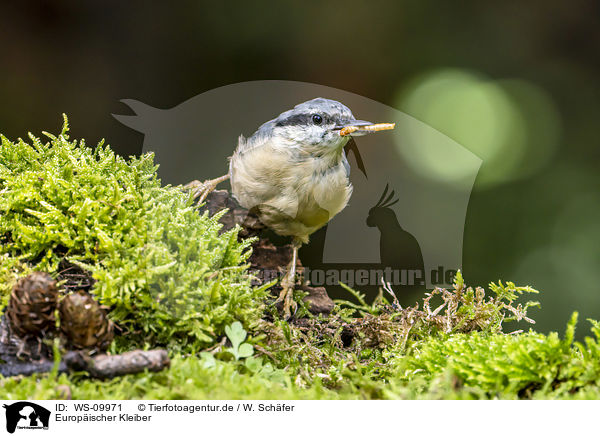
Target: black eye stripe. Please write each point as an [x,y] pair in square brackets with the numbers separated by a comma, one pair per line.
[304,119]
[294,120]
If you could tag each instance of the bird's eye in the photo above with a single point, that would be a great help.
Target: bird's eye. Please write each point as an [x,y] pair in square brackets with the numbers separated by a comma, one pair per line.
[317,119]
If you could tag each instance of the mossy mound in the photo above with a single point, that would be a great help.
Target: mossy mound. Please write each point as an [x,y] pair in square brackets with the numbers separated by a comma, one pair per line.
[171,278]
[168,276]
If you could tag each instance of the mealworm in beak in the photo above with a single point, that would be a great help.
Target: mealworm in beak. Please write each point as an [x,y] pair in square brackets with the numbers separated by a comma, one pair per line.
[372,128]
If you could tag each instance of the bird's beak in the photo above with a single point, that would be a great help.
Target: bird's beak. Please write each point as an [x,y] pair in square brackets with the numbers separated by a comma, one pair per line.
[360,127]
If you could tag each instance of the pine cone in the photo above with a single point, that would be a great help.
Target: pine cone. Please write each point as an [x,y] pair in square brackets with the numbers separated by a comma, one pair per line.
[84,323]
[32,303]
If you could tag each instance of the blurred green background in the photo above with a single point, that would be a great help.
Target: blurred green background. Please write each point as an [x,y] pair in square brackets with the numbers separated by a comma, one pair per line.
[518,83]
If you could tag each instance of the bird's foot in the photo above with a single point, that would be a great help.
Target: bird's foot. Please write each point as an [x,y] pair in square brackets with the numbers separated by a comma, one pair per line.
[286,300]
[200,190]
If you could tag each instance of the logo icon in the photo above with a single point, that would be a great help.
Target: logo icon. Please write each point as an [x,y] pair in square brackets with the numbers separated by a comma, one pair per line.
[412,236]
[26,415]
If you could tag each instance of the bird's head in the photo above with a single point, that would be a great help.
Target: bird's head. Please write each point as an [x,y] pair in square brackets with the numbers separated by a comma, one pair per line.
[382,212]
[320,125]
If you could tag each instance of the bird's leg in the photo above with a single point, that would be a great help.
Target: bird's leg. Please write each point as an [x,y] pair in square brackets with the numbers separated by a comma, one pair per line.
[288,283]
[201,190]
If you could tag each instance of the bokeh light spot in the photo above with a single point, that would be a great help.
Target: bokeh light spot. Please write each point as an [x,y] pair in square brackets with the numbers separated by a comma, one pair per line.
[511,125]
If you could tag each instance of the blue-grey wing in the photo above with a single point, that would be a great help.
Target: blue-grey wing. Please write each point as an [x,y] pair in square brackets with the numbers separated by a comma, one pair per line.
[346,164]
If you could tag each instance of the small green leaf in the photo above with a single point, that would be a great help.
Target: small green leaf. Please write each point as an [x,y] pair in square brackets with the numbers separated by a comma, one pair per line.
[208,359]
[236,334]
[245,350]
[254,364]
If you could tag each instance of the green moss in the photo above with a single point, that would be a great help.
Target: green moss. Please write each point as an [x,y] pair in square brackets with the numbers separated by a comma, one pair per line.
[168,276]
[10,271]
[189,378]
[473,365]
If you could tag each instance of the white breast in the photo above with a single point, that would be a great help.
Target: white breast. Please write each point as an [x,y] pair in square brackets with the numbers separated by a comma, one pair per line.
[293,196]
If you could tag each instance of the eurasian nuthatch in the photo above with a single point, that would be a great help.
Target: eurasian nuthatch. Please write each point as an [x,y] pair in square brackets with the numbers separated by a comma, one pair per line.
[293,173]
